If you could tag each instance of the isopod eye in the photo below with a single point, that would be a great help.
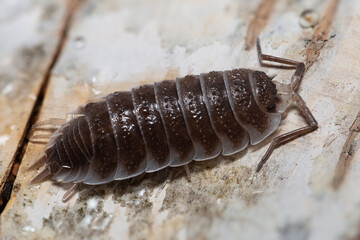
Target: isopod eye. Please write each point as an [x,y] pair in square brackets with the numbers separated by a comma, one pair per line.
[271,108]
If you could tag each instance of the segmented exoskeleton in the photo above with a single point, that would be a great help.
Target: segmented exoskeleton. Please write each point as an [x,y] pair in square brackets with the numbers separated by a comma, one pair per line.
[171,123]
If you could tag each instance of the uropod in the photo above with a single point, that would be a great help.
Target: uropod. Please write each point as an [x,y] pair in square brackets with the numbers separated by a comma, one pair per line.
[170,124]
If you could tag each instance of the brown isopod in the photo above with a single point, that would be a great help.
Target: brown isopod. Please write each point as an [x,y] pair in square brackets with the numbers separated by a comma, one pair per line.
[169,124]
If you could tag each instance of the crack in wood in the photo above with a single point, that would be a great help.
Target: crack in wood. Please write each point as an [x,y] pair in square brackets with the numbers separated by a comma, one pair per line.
[347,153]
[318,42]
[72,7]
[259,21]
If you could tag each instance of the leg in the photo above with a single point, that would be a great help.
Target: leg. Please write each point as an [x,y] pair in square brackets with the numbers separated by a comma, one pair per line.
[300,103]
[70,192]
[187,171]
[169,178]
[36,138]
[52,123]
[42,176]
[38,163]
[265,57]
[300,67]
[286,137]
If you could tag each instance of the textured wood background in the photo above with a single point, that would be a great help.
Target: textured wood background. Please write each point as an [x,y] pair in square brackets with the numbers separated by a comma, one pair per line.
[56,56]
[29,38]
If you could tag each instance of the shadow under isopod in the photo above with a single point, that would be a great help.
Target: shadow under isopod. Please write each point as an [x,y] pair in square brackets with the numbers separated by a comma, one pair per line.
[121,190]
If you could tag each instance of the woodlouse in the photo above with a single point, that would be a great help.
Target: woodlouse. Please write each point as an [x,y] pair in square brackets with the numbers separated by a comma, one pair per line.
[171,123]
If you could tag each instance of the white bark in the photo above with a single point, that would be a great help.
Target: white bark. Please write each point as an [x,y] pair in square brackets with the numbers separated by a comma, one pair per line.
[117,45]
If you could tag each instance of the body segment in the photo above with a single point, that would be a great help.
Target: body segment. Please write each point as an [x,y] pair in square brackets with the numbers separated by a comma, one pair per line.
[233,137]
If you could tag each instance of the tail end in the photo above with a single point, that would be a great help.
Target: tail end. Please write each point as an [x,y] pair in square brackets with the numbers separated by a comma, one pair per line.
[38,163]
[42,177]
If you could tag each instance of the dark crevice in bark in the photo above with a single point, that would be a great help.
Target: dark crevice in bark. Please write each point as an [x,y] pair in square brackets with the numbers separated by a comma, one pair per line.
[6,189]
[347,153]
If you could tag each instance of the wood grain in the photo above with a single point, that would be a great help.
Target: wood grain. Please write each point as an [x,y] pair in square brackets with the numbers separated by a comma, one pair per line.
[321,34]
[349,149]
[258,22]
[29,36]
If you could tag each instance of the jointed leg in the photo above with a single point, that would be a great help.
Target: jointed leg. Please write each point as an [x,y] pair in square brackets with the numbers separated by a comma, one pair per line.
[300,67]
[286,137]
[39,137]
[300,103]
[187,171]
[70,192]
[52,124]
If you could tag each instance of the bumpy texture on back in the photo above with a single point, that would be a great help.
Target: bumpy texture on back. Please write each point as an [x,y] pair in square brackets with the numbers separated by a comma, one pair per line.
[169,123]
